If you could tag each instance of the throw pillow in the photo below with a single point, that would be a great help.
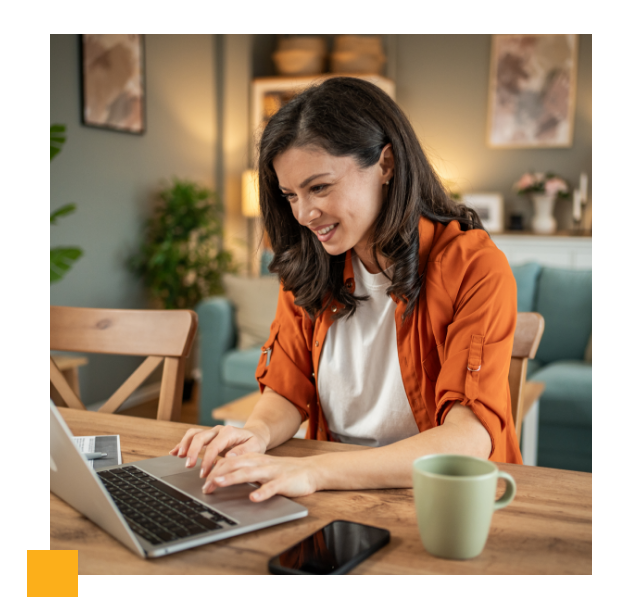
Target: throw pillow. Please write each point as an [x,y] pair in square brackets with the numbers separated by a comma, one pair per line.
[255,301]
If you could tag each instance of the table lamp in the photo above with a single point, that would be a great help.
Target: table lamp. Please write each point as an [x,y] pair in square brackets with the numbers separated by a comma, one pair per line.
[250,205]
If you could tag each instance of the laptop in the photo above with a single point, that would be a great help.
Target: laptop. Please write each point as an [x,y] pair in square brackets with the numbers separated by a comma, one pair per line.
[155,507]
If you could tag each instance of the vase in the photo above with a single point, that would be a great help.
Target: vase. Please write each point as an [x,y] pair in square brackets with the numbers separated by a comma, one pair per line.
[543,221]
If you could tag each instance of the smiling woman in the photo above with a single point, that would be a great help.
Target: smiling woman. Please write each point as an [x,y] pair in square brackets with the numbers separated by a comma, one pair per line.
[396,312]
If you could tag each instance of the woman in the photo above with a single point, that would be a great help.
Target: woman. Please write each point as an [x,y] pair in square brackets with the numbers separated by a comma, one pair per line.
[394,327]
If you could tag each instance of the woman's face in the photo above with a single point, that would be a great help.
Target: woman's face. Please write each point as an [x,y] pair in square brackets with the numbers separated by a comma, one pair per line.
[333,197]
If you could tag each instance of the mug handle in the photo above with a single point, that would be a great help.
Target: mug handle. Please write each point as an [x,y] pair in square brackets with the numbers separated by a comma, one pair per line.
[510,491]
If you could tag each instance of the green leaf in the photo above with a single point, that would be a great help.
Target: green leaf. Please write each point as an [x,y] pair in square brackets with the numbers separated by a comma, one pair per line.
[57,138]
[61,260]
[64,210]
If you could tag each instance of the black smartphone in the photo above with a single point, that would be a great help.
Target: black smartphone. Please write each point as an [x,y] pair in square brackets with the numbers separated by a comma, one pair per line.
[334,549]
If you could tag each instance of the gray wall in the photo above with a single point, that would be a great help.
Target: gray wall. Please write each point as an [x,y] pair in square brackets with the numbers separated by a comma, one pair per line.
[113,177]
[442,85]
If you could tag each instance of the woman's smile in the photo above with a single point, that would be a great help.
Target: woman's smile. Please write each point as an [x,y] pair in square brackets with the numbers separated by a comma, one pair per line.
[325,233]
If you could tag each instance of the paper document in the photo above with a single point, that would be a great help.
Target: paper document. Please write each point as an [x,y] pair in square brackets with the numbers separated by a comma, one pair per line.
[109,444]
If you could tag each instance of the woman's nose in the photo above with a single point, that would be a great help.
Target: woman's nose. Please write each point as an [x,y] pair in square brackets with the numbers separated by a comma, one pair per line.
[307,212]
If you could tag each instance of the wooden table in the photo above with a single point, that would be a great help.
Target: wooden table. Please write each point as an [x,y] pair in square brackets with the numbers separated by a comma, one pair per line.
[546,530]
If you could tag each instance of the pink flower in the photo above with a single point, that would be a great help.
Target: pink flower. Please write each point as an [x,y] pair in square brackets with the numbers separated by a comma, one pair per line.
[527,180]
[555,185]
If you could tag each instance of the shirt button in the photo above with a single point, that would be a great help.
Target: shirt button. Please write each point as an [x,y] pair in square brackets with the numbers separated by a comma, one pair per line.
[349,284]
[313,374]
[334,309]
[316,344]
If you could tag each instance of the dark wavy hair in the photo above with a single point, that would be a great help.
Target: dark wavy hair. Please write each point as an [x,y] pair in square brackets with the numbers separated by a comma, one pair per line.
[346,116]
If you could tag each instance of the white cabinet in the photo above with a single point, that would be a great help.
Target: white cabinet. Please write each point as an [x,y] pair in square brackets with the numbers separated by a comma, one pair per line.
[571,252]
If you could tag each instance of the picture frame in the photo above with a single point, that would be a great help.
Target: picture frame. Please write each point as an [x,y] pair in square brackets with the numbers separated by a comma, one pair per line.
[489,207]
[269,94]
[532,91]
[113,82]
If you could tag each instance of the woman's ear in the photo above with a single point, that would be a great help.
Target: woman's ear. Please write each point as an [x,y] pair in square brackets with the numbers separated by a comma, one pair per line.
[386,163]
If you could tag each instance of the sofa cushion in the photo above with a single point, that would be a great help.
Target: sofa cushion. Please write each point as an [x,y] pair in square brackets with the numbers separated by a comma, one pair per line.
[255,301]
[526,276]
[565,447]
[564,299]
[567,399]
[238,368]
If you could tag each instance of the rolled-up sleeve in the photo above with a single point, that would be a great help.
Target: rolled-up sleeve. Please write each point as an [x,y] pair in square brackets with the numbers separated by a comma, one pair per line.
[478,345]
[285,363]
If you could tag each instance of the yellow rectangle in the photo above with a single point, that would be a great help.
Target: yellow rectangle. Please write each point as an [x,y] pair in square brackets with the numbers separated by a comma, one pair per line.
[52,573]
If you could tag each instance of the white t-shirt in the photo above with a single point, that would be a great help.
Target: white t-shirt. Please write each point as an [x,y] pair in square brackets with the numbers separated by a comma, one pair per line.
[359,381]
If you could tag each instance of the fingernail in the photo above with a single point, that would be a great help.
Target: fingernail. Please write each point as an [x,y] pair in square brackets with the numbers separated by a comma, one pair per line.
[202,473]
[179,452]
[255,495]
[219,479]
[188,461]
[205,488]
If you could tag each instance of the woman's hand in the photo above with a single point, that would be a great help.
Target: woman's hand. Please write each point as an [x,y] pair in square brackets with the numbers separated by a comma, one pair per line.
[291,477]
[216,440]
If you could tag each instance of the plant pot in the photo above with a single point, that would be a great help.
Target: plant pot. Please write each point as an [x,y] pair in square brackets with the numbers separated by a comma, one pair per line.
[543,221]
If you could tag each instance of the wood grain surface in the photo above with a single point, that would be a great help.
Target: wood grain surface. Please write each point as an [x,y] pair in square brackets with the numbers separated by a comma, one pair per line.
[546,530]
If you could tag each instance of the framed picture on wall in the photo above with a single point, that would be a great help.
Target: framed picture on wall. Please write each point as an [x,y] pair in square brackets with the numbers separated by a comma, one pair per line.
[531,101]
[269,94]
[489,207]
[113,82]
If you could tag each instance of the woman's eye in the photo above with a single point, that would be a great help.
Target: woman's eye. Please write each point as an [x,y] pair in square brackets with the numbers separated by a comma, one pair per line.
[290,197]
[318,188]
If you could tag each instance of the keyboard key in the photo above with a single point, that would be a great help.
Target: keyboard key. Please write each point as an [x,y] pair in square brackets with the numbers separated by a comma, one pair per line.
[171,491]
[206,523]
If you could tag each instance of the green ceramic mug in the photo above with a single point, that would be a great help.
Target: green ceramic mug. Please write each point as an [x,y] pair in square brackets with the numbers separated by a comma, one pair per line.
[454,498]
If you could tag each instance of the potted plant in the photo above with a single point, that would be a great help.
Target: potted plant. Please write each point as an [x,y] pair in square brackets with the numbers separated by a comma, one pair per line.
[61,258]
[543,190]
[181,259]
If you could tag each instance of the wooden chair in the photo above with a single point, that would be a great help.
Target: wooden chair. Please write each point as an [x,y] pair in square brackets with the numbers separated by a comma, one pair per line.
[162,336]
[529,331]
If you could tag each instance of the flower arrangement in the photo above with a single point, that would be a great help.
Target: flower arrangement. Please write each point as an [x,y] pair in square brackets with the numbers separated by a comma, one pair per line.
[537,182]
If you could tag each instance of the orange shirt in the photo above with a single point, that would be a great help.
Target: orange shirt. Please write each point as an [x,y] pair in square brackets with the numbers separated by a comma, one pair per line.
[455,347]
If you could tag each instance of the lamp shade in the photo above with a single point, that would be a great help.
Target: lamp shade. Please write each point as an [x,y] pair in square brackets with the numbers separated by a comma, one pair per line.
[250,204]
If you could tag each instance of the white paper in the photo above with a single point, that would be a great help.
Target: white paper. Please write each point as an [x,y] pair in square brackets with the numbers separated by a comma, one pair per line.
[109,444]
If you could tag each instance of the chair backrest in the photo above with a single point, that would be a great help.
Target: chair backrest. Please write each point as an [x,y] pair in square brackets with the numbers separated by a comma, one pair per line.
[160,335]
[529,331]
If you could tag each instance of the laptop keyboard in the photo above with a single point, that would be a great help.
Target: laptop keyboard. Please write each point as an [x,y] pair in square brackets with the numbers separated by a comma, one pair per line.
[156,511]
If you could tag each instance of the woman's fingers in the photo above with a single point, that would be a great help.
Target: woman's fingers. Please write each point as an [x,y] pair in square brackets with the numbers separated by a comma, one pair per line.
[182,447]
[291,477]
[224,439]
[245,471]
[265,491]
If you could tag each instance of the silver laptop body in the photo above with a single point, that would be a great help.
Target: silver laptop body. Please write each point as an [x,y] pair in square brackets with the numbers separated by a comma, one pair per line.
[74,481]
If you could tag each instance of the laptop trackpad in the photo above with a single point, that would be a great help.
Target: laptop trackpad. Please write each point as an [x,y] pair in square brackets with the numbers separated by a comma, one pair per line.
[190,483]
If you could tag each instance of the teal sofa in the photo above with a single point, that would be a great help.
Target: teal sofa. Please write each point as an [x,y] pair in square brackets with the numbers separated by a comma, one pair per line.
[563,297]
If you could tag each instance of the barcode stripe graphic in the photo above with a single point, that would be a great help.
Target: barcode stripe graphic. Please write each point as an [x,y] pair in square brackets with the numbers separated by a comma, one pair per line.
[525,17]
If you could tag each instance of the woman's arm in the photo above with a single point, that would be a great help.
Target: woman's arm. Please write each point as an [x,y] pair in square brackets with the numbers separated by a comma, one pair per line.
[390,466]
[274,418]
